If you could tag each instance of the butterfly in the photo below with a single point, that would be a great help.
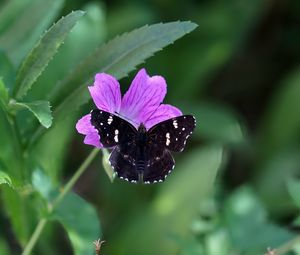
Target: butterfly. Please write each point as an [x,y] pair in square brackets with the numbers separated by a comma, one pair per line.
[141,155]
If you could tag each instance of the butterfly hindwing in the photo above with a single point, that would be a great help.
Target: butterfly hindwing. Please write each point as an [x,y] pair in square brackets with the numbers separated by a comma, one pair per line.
[112,129]
[123,162]
[158,168]
[173,133]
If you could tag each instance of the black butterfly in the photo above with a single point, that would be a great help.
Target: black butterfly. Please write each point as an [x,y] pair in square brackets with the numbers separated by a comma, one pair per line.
[138,154]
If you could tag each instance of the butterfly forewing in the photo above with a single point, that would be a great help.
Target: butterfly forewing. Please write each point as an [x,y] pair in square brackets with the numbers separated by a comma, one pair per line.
[173,133]
[140,154]
[112,129]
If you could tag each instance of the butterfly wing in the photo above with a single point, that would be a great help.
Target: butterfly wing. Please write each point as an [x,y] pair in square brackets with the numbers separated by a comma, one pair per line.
[122,161]
[166,136]
[158,168]
[112,129]
[172,134]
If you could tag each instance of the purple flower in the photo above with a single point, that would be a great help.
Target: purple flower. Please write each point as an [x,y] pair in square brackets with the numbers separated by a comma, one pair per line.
[142,103]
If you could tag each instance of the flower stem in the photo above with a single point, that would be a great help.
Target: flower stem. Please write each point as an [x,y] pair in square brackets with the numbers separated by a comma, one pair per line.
[35,236]
[39,228]
[75,177]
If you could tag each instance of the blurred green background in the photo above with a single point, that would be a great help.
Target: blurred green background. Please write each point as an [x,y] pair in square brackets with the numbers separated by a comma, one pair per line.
[234,189]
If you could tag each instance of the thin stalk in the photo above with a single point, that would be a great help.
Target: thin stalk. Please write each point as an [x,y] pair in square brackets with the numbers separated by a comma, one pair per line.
[68,186]
[35,236]
[75,177]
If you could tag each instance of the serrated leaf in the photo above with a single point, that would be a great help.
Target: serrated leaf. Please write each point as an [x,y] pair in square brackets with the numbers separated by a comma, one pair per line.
[5,179]
[89,31]
[118,57]
[40,109]
[27,27]
[43,52]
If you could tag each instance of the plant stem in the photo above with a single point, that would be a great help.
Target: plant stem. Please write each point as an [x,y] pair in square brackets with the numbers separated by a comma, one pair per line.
[39,228]
[75,177]
[35,236]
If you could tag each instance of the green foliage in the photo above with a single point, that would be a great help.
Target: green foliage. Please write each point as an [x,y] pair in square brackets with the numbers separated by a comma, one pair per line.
[221,124]
[27,26]
[118,57]
[233,191]
[40,109]
[42,53]
[5,179]
[70,214]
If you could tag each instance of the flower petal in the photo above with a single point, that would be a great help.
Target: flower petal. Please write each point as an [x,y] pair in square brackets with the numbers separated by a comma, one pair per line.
[85,127]
[163,112]
[106,93]
[143,97]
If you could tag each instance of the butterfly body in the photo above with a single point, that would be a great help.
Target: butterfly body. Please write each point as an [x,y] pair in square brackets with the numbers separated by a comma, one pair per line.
[141,154]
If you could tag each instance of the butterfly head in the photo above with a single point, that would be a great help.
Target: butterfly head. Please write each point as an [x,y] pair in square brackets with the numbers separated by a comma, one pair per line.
[142,129]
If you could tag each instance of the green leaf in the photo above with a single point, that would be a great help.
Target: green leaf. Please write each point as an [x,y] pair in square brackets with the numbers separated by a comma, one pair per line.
[10,11]
[247,222]
[7,71]
[16,207]
[193,178]
[283,114]
[11,154]
[177,202]
[118,57]
[78,217]
[89,31]
[43,52]
[271,180]
[293,186]
[216,122]
[5,179]
[81,222]
[27,27]
[3,94]
[40,109]
[42,184]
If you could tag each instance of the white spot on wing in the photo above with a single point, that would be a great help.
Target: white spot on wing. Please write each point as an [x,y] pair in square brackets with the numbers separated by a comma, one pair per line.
[168,141]
[110,120]
[116,138]
[175,124]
